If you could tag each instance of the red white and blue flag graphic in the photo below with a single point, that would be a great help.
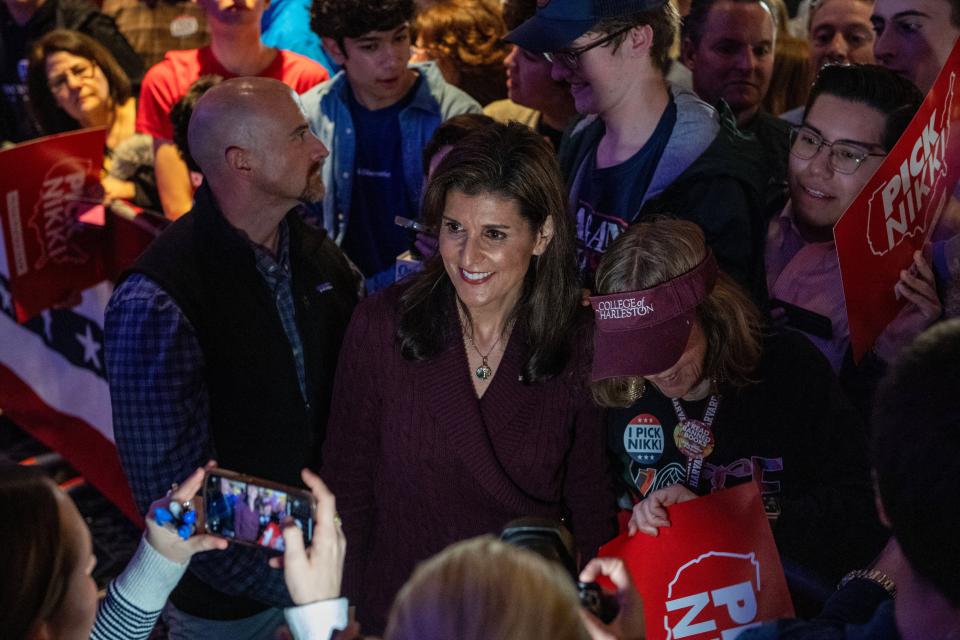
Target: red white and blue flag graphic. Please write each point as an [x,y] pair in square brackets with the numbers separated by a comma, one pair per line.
[53,386]
[52,378]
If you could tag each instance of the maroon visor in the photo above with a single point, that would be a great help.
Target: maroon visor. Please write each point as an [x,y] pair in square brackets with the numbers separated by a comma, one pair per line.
[642,333]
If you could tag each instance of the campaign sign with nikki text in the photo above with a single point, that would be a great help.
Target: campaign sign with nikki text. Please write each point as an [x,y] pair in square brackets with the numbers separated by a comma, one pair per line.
[50,254]
[897,210]
[713,573]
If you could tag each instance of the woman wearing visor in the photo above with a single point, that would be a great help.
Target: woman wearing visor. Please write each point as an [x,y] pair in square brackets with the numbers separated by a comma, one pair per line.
[701,398]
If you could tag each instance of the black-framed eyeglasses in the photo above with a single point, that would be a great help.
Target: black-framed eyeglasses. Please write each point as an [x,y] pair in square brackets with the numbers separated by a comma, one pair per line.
[570,57]
[845,157]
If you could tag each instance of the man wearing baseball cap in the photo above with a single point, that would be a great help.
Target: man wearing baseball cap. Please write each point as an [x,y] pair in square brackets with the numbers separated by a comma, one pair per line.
[642,147]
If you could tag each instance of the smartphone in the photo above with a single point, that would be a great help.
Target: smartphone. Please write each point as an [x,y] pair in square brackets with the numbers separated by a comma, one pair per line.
[250,510]
[407,223]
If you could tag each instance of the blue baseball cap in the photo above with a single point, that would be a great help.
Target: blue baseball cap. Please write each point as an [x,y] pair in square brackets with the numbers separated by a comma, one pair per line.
[557,23]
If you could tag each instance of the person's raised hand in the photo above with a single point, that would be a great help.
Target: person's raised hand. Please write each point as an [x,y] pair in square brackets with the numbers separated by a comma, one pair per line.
[427,244]
[165,538]
[314,573]
[651,513]
[918,286]
[629,623]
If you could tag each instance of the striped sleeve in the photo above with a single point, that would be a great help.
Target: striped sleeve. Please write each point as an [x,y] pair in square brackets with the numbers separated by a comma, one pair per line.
[136,598]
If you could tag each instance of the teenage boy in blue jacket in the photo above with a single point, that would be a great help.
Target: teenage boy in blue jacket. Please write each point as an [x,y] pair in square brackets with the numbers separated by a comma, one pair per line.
[375,116]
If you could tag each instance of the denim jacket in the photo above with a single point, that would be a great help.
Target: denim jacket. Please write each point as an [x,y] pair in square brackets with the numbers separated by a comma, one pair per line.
[328,111]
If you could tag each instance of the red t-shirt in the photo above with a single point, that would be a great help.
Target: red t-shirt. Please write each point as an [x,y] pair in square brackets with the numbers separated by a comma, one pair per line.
[168,80]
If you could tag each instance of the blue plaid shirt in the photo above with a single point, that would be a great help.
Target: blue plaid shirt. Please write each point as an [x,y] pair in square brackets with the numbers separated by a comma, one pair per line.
[161,407]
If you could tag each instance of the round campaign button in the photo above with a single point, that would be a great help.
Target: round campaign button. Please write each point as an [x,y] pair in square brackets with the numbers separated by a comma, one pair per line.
[693,438]
[643,438]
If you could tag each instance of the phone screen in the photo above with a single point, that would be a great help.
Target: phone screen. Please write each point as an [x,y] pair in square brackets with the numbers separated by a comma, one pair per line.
[250,513]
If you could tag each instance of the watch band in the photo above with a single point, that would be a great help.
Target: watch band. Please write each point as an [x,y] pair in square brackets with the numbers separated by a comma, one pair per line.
[872,575]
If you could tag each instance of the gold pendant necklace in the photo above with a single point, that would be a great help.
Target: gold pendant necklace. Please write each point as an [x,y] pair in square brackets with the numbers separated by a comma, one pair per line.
[484,371]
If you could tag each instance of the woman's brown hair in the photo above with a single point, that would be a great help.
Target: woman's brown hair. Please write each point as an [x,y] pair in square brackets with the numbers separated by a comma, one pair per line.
[653,252]
[36,559]
[51,117]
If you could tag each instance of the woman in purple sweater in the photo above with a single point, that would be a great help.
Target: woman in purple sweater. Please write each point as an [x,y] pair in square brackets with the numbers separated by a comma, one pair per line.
[461,397]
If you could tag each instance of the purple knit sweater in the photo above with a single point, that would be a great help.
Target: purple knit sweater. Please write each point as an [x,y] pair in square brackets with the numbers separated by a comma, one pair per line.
[417,462]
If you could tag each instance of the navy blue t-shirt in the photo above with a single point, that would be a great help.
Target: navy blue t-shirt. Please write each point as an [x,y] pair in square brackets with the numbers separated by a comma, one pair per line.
[372,240]
[609,199]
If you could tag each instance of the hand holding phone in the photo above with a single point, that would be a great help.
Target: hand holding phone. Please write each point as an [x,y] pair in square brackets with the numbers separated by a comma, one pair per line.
[165,538]
[314,572]
[251,510]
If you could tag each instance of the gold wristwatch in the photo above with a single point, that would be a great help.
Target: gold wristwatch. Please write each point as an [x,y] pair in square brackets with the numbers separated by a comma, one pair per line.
[872,575]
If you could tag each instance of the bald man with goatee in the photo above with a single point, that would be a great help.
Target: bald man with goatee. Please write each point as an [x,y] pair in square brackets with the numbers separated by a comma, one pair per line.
[222,339]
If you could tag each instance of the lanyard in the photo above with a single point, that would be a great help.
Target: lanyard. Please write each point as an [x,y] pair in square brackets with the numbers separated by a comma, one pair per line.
[694,438]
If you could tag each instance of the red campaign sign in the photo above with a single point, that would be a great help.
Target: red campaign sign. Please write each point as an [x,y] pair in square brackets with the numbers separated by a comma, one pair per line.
[129,231]
[897,210]
[49,253]
[711,574]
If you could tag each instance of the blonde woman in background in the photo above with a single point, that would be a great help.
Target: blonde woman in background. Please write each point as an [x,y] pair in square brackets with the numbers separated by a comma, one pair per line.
[485,589]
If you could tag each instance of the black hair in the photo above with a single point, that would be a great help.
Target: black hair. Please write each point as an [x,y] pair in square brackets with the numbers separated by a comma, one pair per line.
[514,162]
[339,19]
[916,437]
[893,96]
[182,110]
[695,21]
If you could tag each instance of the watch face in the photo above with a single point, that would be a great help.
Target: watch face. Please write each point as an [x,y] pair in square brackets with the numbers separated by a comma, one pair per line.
[873,575]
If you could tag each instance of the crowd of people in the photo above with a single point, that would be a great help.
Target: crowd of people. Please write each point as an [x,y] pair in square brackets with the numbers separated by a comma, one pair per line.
[622,218]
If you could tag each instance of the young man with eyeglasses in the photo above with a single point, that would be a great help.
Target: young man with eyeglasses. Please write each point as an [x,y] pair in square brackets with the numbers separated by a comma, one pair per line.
[641,147]
[854,116]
